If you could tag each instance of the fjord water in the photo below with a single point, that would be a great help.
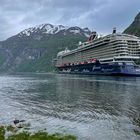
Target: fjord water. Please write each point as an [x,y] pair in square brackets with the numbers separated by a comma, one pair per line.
[90,107]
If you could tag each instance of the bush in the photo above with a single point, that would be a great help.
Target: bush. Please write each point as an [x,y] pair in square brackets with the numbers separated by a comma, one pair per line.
[25,135]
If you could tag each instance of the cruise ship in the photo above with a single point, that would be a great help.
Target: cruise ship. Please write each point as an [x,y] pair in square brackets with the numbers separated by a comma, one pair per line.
[113,54]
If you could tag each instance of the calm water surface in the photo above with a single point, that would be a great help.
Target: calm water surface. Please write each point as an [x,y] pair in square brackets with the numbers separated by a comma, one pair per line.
[90,107]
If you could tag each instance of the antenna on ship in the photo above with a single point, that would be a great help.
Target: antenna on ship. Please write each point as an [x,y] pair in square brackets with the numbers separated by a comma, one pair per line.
[114,30]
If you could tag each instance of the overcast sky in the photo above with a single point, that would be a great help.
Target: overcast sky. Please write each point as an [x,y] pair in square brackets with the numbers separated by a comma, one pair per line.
[99,15]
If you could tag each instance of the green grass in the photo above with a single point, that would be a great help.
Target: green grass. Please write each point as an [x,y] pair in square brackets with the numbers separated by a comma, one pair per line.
[25,135]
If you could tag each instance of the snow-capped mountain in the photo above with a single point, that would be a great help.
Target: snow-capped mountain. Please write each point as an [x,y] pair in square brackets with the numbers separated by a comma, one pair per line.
[54,29]
[34,48]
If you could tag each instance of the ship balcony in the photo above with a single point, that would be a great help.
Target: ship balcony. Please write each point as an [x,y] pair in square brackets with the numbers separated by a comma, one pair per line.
[121,51]
[132,54]
[118,43]
[122,54]
[127,57]
[121,48]
[136,44]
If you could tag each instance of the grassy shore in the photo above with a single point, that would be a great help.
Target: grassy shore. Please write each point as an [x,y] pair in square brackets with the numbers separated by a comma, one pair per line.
[11,133]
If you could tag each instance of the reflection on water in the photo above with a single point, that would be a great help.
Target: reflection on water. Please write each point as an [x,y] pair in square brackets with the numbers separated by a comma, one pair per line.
[91,107]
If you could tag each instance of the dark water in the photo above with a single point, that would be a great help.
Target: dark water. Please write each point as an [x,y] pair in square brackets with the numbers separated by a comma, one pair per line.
[90,107]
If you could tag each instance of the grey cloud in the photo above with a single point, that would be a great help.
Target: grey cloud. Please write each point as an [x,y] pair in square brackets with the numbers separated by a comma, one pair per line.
[100,15]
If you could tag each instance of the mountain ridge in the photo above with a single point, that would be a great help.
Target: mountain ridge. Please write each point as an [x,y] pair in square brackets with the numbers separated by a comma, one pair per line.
[34,48]
[51,29]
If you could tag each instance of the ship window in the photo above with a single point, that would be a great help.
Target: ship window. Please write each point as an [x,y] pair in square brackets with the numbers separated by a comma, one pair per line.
[129,63]
[120,63]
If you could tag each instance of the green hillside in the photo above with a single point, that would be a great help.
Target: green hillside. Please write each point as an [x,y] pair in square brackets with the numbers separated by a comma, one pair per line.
[53,46]
[35,52]
[134,28]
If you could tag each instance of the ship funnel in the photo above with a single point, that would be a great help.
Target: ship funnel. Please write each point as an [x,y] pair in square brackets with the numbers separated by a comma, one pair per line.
[93,36]
[114,30]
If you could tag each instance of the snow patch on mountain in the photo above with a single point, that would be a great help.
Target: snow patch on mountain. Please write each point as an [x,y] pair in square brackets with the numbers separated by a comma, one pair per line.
[87,35]
[86,29]
[26,32]
[53,29]
[75,31]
